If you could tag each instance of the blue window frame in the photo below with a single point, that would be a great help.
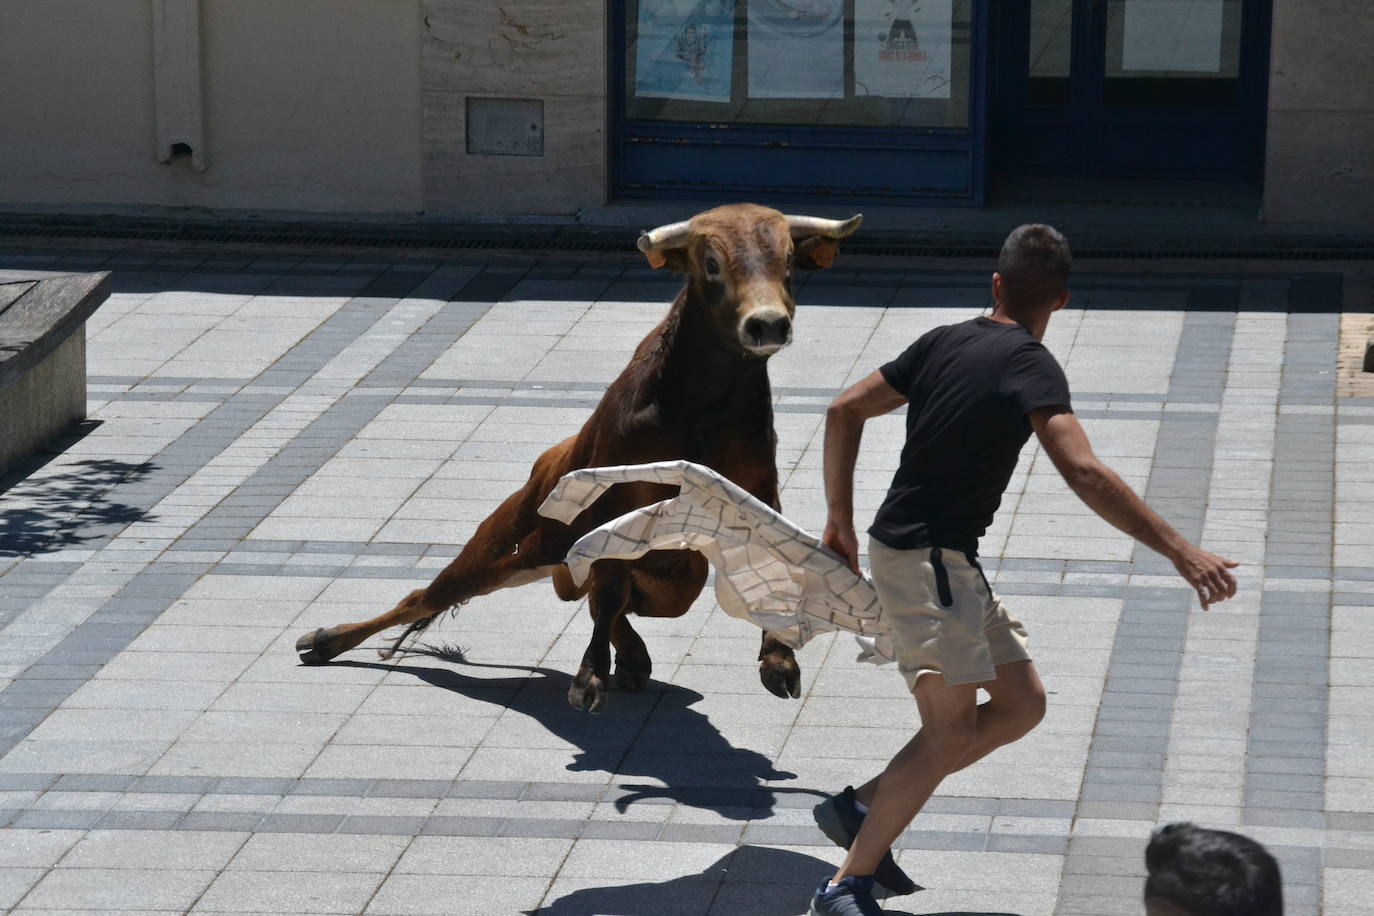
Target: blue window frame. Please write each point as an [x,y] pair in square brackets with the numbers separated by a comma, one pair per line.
[708,103]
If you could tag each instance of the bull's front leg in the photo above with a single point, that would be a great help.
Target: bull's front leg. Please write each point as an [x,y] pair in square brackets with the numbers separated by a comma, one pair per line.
[778,668]
[608,599]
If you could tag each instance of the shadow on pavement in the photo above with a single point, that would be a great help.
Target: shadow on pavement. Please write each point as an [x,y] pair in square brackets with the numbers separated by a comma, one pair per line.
[69,508]
[758,880]
[655,735]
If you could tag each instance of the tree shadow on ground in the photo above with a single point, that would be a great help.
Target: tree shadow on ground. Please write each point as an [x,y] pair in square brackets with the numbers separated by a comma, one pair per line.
[69,508]
[655,735]
[758,880]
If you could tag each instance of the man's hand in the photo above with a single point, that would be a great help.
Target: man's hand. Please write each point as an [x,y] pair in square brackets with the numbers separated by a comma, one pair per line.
[842,540]
[1207,573]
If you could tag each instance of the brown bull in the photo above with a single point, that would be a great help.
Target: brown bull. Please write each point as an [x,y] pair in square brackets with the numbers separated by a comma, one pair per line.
[696,388]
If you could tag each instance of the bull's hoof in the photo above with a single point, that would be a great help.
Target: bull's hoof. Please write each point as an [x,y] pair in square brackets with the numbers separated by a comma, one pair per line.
[588,692]
[632,673]
[781,678]
[318,647]
[631,681]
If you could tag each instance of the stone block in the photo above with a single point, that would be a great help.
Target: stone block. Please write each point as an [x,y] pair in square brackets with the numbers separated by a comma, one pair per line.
[1338,79]
[570,174]
[1317,168]
[536,48]
[43,369]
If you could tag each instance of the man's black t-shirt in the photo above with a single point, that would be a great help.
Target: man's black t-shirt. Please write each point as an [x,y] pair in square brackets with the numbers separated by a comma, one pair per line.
[970,388]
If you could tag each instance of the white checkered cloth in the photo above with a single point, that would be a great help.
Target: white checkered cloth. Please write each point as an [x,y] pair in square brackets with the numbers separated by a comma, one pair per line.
[768,570]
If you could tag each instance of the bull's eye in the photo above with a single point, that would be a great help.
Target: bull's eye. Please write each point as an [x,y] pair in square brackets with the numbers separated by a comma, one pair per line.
[712,267]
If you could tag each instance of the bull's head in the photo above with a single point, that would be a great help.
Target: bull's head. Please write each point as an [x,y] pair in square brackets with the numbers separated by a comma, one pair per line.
[739,259]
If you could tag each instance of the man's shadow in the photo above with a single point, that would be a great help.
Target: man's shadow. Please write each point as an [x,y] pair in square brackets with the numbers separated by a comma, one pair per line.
[758,880]
[674,745]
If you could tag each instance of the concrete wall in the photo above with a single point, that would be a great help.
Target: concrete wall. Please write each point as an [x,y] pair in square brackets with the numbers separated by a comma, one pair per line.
[1319,166]
[328,106]
[553,50]
[308,105]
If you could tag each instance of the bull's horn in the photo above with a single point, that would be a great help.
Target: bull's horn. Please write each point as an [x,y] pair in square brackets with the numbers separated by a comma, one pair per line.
[673,235]
[807,226]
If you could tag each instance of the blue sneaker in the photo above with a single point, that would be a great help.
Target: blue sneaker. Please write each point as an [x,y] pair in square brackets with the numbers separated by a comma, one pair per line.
[840,821]
[853,896]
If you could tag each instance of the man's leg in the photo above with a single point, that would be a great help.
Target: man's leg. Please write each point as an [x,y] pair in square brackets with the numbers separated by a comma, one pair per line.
[949,717]
[1016,706]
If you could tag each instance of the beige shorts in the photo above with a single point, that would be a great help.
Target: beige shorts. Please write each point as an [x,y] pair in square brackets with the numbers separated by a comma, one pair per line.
[945,618]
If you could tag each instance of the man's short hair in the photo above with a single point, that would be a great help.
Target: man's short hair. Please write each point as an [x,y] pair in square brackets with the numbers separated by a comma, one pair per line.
[1212,873]
[1034,265]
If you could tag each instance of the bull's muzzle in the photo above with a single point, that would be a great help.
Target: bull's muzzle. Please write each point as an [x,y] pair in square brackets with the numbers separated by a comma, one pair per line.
[766,331]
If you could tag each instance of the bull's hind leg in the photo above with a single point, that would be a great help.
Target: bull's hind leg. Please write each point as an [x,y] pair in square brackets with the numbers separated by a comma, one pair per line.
[610,594]
[665,585]
[492,560]
[778,668]
[632,663]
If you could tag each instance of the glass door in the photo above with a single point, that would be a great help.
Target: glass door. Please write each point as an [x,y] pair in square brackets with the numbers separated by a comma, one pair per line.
[1134,87]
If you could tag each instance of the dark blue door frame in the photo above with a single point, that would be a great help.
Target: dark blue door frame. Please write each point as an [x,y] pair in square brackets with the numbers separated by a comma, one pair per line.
[1083,136]
[702,160]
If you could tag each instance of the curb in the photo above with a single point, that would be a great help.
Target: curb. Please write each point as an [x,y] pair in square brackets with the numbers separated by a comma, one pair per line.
[1153,243]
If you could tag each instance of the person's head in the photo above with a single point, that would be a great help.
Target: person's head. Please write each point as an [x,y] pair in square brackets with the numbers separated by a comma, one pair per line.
[1032,272]
[1199,872]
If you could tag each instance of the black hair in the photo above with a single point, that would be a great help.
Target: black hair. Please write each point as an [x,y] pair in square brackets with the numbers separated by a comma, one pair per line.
[1034,265]
[1212,873]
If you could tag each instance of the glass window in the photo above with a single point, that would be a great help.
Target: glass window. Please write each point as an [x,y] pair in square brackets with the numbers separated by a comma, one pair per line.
[879,63]
[1173,53]
[1051,49]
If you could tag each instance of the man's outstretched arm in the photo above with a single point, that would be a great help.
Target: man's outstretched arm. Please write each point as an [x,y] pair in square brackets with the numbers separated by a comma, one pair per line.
[1108,495]
[870,397]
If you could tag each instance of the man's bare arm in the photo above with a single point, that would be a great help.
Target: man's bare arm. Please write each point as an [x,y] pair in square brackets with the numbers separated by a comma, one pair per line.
[1108,495]
[870,397]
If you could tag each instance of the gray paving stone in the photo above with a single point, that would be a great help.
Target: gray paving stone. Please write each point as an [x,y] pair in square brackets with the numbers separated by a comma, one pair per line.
[408,788]
[479,788]
[119,889]
[450,825]
[1133,724]
[55,820]
[454,895]
[233,821]
[15,883]
[157,849]
[288,892]
[138,820]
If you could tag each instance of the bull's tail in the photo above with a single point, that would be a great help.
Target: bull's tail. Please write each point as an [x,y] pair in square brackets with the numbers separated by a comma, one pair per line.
[414,628]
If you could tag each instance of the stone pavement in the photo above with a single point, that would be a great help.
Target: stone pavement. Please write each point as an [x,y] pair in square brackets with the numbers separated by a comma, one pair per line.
[285,440]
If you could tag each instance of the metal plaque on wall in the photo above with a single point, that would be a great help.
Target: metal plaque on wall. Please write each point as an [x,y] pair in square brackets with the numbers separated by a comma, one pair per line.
[505,127]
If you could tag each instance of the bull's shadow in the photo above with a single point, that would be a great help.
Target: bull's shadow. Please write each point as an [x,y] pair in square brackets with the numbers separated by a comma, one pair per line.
[655,735]
[758,880]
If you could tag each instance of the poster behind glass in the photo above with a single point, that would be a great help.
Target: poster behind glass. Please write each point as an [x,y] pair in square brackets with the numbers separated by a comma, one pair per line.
[796,49]
[685,49]
[902,48]
[861,63]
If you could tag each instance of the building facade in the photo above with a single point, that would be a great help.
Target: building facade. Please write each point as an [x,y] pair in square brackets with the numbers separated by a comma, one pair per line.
[454,107]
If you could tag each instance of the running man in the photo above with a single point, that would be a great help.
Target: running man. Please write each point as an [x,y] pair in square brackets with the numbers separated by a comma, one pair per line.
[975,392]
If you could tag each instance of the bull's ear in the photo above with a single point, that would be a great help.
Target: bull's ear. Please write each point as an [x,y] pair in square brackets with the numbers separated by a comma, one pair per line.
[662,246]
[675,259]
[815,253]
